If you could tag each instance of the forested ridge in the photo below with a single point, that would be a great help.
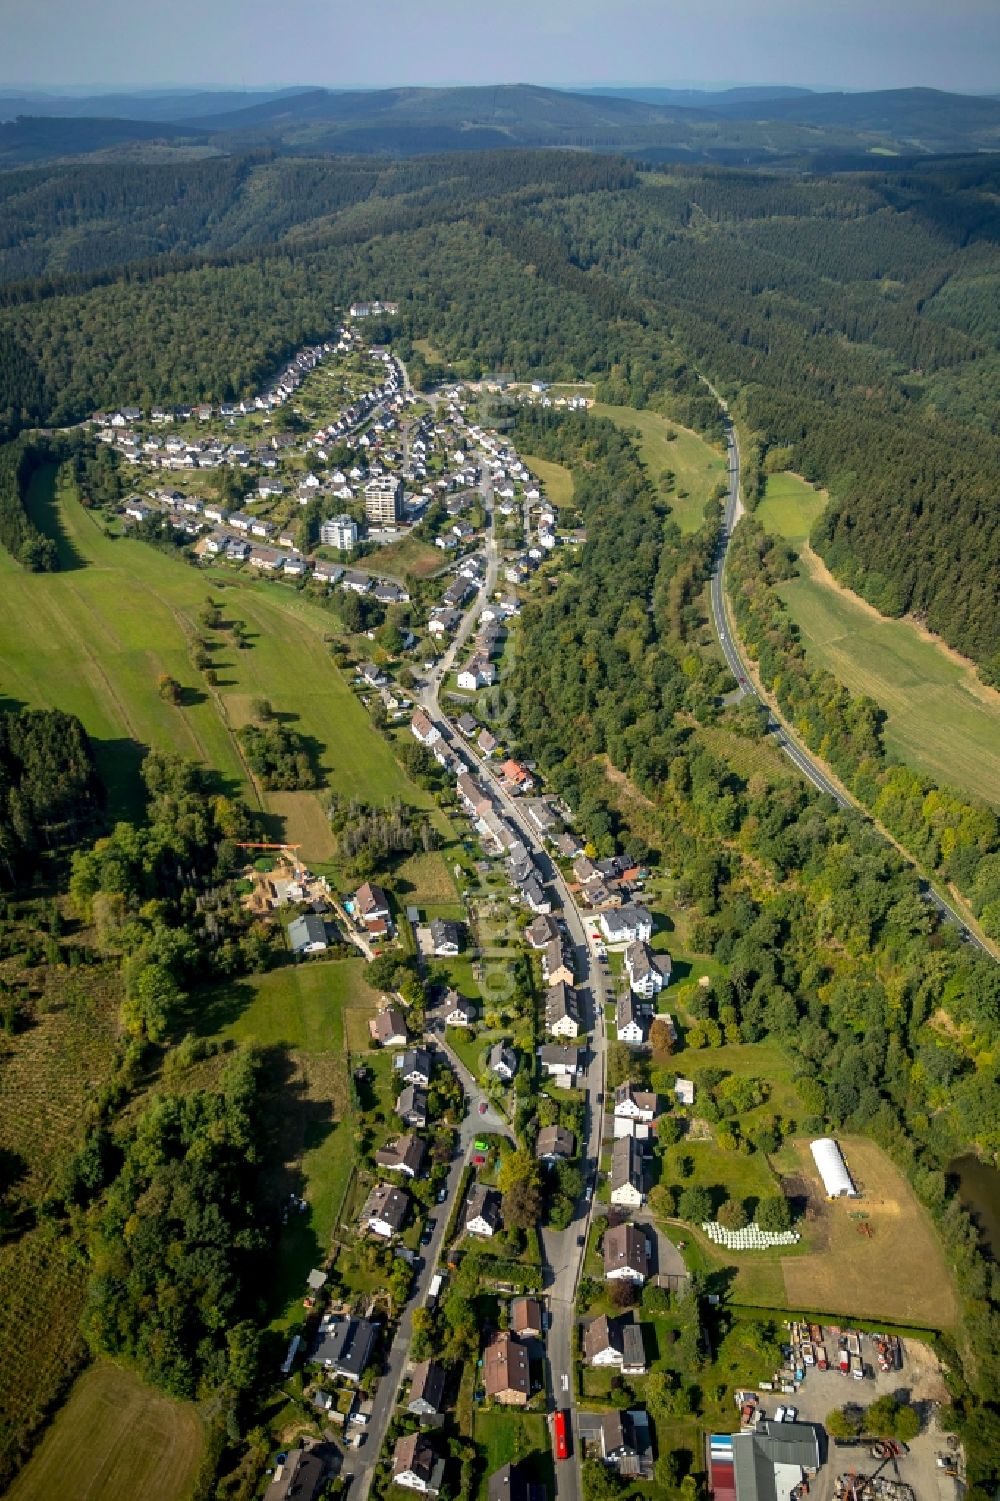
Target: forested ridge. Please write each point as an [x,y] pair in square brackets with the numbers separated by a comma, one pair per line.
[848,319]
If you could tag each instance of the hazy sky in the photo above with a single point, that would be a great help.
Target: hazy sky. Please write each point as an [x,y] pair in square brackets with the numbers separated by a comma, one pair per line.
[375,43]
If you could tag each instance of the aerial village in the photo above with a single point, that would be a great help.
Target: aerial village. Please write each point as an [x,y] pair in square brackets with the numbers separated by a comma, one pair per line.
[511,1246]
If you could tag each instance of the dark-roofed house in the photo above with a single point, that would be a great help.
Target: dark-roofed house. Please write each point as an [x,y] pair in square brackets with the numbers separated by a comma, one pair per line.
[458,1012]
[630,1019]
[559,1060]
[626,1173]
[621,1439]
[406,1155]
[626,1254]
[506,1375]
[617,1343]
[629,924]
[385,1212]
[371,903]
[343,1346]
[299,1476]
[426,1389]
[388,1028]
[446,938]
[541,931]
[503,1061]
[554,966]
[526,1318]
[411,1106]
[635,1104]
[482,1210]
[562,1014]
[555,1144]
[510,1483]
[307,935]
[414,1066]
[416,1466]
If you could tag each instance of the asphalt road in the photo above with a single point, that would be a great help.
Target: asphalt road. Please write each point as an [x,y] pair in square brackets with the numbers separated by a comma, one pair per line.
[562,1251]
[777,726]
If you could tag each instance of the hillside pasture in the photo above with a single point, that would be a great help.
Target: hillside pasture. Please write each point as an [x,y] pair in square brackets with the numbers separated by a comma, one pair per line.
[789,507]
[939,717]
[556,479]
[697,466]
[121,613]
[115,1440]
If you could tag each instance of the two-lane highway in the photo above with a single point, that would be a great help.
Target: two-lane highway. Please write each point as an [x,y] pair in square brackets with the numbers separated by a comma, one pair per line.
[777,726]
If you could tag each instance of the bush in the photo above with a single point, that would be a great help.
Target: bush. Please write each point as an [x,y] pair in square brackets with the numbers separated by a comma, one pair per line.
[732,1214]
[774,1213]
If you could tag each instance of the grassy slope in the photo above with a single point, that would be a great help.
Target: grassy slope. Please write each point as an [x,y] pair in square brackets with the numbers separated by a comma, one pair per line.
[115,1439]
[698,466]
[789,507]
[941,719]
[557,481]
[93,639]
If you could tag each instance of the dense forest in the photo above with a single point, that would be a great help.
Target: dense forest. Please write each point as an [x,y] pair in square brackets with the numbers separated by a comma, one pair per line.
[49,789]
[848,319]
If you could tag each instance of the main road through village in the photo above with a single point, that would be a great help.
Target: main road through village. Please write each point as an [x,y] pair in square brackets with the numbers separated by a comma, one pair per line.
[563,1251]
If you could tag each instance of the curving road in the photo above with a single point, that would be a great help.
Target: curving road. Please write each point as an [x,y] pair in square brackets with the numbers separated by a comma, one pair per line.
[777,726]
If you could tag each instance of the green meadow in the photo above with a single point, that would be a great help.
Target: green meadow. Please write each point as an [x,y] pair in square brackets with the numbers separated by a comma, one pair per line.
[940,718]
[697,466]
[95,637]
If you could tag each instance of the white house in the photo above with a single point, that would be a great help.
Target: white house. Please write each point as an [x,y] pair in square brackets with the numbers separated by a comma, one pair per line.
[648,973]
[629,1020]
[628,924]
[482,1211]
[416,1466]
[423,729]
[626,1173]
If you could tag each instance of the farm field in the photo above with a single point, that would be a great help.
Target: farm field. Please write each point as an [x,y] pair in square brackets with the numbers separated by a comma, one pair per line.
[115,1439]
[899,1273]
[120,614]
[557,480]
[314,1012]
[940,718]
[697,466]
[789,507]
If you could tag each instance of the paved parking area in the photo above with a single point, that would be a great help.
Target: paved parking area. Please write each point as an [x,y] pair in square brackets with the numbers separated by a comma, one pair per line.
[919,1382]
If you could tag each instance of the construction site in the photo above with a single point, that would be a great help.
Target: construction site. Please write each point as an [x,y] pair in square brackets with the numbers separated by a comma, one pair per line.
[275,877]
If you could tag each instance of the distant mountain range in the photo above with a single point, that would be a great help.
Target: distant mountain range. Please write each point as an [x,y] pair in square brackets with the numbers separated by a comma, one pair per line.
[778,126]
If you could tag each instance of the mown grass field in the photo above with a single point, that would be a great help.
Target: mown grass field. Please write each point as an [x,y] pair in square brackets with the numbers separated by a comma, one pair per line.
[940,718]
[315,1012]
[556,479]
[789,507]
[696,465]
[115,1440]
[409,557]
[94,638]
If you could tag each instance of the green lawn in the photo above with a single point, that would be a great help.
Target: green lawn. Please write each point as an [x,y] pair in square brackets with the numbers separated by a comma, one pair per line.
[313,1010]
[503,1437]
[940,718]
[103,631]
[696,465]
[557,480]
[789,507]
